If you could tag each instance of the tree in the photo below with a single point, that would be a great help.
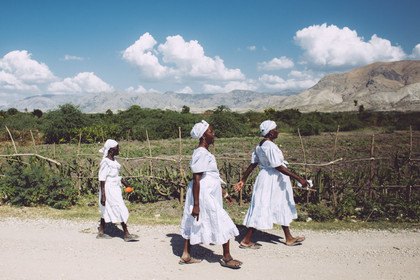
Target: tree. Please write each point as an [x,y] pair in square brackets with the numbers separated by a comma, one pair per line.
[37,113]
[62,124]
[185,110]
[12,111]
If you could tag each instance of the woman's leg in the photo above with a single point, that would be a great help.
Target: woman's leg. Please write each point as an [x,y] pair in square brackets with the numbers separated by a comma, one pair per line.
[289,238]
[246,241]
[101,227]
[186,254]
[125,229]
[228,259]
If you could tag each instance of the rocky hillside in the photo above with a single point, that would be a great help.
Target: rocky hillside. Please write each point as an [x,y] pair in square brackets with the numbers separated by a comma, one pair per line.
[378,86]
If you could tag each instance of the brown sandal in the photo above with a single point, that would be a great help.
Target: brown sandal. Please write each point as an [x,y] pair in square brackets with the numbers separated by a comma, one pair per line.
[225,263]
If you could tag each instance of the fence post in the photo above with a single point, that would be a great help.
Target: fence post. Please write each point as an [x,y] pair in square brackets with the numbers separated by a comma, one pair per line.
[11,137]
[371,165]
[410,165]
[308,193]
[150,153]
[33,141]
[79,169]
[128,149]
[102,133]
[181,171]
[333,157]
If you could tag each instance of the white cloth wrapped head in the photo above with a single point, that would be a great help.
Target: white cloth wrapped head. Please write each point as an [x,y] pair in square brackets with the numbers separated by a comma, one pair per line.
[198,129]
[266,126]
[108,145]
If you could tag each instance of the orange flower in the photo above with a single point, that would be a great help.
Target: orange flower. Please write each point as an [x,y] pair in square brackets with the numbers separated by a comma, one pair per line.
[128,189]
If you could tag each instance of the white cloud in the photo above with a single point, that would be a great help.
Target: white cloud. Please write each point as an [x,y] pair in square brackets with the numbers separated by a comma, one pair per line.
[416,52]
[240,85]
[186,60]
[276,64]
[252,48]
[331,46]
[142,55]
[140,89]
[10,82]
[24,69]
[296,80]
[86,82]
[186,89]
[72,57]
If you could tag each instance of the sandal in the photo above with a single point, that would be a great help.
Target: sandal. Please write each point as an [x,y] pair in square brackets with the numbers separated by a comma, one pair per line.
[225,263]
[131,237]
[250,246]
[103,236]
[300,238]
[191,260]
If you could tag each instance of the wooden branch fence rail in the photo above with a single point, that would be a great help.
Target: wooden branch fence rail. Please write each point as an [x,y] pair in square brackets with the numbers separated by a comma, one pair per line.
[180,159]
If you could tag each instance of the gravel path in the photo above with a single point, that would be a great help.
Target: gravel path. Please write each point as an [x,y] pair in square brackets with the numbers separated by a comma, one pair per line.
[62,249]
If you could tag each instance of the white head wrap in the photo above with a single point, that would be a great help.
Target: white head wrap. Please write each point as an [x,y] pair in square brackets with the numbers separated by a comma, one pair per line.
[266,126]
[108,145]
[198,130]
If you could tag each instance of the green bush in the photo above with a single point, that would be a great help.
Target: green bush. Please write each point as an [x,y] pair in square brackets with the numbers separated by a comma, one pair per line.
[36,185]
[319,212]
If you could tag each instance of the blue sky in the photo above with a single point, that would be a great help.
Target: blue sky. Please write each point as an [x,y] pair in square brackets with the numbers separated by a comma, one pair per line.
[83,47]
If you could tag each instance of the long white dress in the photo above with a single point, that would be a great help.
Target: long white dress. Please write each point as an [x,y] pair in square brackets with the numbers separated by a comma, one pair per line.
[214,224]
[114,210]
[272,197]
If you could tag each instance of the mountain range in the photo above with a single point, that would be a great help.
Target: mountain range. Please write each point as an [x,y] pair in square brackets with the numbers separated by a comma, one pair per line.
[382,86]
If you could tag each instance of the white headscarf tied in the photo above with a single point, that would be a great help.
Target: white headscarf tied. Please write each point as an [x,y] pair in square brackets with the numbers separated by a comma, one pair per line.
[108,145]
[198,130]
[266,126]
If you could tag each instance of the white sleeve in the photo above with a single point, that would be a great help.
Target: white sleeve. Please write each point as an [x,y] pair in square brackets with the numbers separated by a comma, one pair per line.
[254,157]
[103,171]
[200,163]
[275,156]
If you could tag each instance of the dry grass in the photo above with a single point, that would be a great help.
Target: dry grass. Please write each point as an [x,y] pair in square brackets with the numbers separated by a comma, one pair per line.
[169,212]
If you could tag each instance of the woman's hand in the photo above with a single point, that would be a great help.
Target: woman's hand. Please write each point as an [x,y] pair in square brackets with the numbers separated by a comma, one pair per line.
[228,199]
[103,199]
[195,211]
[239,186]
[303,182]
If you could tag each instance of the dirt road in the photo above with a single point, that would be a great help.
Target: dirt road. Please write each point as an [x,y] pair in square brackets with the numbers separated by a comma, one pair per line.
[62,249]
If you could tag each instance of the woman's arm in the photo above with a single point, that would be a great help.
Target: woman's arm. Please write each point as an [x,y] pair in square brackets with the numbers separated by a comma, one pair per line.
[103,198]
[289,173]
[125,183]
[196,194]
[227,197]
[248,171]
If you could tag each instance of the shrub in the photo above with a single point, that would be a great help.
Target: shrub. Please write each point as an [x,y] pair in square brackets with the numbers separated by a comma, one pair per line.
[319,212]
[35,185]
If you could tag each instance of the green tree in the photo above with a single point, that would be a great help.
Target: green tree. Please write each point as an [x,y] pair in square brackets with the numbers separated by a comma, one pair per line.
[12,111]
[62,124]
[185,110]
[37,113]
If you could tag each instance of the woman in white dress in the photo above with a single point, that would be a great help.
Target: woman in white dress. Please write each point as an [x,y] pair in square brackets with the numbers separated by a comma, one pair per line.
[272,197]
[113,209]
[204,220]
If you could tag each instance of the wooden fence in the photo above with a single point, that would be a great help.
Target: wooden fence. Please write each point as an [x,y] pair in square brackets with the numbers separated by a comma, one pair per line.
[180,161]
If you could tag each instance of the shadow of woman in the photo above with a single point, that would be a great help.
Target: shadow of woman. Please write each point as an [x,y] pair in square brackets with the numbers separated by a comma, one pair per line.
[258,236]
[198,251]
[113,230]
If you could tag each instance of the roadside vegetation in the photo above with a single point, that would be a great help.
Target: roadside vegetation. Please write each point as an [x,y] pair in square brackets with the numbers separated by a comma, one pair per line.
[374,182]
